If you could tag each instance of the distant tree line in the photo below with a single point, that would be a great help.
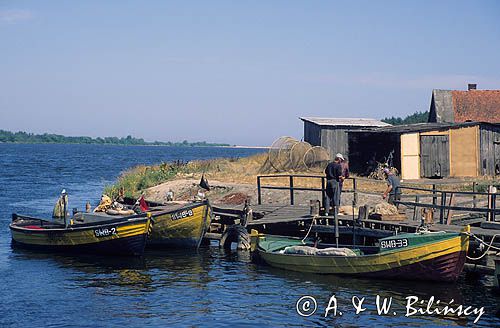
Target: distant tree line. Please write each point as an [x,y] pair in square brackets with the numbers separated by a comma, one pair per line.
[24,137]
[417,117]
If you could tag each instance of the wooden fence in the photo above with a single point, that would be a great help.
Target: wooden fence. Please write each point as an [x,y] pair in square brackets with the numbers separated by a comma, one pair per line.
[292,178]
[447,201]
[444,201]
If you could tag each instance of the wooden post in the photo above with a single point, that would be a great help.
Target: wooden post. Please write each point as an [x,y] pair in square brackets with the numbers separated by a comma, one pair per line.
[493,207]
[415,208]
[259,194]
[337,235]
[450,212]
[355,195]
[323,192]
[434,195]
[291,189]
[353,225]
[361,213]
[441,210]
[314,207]
[474,197]
[491,202]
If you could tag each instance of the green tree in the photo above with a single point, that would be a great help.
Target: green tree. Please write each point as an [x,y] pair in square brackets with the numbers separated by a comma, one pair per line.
[417,117]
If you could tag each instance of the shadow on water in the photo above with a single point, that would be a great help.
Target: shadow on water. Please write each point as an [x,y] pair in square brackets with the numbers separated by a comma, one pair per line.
[211,277]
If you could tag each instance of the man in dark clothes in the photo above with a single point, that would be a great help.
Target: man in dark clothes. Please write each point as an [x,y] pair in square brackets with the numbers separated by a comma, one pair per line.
[334,176]
[393,190]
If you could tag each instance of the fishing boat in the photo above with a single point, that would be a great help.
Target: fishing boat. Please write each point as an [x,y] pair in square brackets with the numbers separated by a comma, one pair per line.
[87,233]
[180,225]
[176,224]
[435,256]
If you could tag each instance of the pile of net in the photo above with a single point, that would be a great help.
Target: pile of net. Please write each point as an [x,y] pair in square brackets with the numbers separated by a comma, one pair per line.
[384,209]
[104,204]
[308,250]
[107,205]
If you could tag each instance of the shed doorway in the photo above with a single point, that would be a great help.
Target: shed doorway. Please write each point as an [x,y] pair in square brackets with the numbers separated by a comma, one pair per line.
[435,156]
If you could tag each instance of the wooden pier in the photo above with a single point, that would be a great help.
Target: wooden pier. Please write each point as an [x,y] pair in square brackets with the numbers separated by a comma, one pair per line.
[296,220]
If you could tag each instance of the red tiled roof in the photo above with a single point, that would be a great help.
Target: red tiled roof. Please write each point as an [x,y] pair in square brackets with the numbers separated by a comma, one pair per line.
[476,106]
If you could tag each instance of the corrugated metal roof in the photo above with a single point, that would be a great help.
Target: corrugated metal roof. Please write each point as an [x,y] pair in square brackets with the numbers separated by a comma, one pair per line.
[422,127]
[361,122]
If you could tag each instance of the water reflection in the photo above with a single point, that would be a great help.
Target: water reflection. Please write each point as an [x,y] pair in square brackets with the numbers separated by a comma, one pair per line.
[322,287]
[175,285]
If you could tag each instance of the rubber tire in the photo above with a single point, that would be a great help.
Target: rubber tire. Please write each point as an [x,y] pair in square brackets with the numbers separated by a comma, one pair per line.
[235,234]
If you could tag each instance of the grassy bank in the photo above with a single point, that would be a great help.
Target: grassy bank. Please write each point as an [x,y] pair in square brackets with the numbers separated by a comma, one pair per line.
[245,171]
[139,178]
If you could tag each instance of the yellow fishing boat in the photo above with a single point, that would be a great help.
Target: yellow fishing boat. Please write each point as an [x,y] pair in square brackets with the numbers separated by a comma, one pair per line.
[96,234]
[179,224]
[174,224]
[438,256]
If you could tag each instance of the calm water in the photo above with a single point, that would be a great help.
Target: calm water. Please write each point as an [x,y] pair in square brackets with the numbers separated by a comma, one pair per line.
[209,287]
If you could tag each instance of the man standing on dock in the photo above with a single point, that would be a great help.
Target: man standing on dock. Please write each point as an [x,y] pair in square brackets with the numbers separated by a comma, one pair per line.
[334,177]
[393,190]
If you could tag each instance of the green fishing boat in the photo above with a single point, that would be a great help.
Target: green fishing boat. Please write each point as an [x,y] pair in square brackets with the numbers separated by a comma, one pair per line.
[435,256]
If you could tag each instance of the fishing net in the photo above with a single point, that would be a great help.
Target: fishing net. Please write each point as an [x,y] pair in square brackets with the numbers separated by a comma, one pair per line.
[289,154]
[316,158]
[279,153]
[297,153]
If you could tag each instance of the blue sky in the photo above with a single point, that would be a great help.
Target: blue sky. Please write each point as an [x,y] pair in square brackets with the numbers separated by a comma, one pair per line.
[240,72]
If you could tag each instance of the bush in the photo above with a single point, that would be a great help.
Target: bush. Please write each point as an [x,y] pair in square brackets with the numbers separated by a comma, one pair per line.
[142,177]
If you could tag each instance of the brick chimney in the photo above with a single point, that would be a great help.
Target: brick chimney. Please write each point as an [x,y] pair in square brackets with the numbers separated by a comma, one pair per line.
[471,86]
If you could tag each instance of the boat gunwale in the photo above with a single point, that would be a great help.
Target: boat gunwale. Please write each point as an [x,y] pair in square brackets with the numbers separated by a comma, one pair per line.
[189,206]
[78,227]
[105,221]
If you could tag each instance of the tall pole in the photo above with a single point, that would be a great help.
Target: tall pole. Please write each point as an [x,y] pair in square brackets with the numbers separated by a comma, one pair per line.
[64,207]
[336,226]
[353,224]
[259,195]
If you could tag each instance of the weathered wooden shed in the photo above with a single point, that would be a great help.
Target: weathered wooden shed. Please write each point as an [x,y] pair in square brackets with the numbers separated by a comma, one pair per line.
[331,133]
[427,150]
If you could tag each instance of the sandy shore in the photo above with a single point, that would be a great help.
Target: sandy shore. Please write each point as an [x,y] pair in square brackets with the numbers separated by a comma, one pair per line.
[230,193]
